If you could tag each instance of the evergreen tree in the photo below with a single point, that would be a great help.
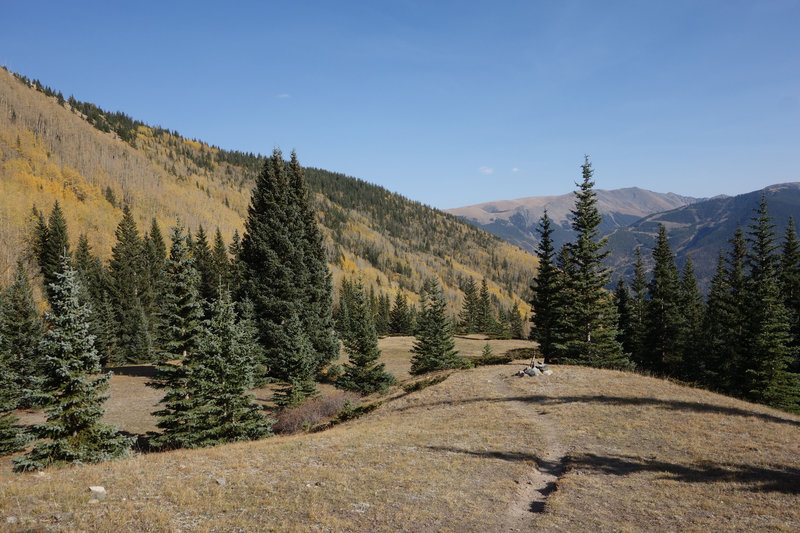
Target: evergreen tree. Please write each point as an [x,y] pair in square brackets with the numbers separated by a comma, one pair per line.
[664,320]
[204,264]
[734,351]
[23,331]
[769,343]
[383,315]
[274,280]
[400,320]
[93,279]
[297,365]
[486,322]
[226,356]
[434,346]
[181,418]
[343,323]
[469,310]
[691,339]
[73,429]
[516,322]
[53,247]
[592,316]
[316,312]
[127,280]
[11,439]
[545,289]
[637,305]
[363,372]
[622,297]
[235,268]
[789,276]
[717,369]
[155,282]
[220,262]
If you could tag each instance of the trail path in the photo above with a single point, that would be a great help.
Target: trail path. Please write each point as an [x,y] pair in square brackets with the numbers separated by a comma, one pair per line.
[539,481]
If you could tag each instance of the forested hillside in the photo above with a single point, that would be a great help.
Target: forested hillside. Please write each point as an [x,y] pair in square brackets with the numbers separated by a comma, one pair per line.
[95,162]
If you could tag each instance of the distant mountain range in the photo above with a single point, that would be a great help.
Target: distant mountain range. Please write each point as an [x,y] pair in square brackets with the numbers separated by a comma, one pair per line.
[702,229]
[696,227]
[516,220]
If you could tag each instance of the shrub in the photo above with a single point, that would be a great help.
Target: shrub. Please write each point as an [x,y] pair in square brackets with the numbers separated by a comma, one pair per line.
[313,412]
[423,383]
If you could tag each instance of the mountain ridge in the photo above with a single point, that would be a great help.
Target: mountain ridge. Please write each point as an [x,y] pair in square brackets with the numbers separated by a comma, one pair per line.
[516,220]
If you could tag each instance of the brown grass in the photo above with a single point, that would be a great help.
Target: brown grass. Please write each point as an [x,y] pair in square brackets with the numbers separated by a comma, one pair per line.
[637,454]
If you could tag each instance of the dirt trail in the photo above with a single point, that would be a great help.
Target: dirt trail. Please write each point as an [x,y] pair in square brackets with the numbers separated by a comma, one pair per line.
[540,481]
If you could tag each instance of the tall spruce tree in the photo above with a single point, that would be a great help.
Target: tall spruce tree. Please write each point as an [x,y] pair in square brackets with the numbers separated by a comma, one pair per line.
[770,353]
[637,304]
[591,315]
[93,279]
[127,282]
[204,264]
[11,438]
[220,262]
[789,276]
[717,370]
[734,350]
[545,289]
[470,308]
[315,278]
[181,417]
[54,245]
[155,282]
[274,279]
[73,430]
[23,331]
[693,310]
[516,322]
[363,372]
[622,297]
[664,320]
[226,356]
[400,320]
[434,346]
[485,317]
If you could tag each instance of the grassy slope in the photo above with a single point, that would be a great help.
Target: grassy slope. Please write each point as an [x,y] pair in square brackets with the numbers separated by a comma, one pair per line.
[633,453]
[48,153]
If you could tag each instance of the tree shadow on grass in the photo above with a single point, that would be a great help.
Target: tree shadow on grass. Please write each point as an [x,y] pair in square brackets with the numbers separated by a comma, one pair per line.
[673,405]
[776,478]
[136,371]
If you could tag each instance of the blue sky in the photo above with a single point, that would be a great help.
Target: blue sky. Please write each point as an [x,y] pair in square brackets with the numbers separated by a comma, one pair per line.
[448,103]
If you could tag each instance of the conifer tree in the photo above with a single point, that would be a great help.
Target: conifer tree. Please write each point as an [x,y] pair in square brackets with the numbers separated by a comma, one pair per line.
[770,352]
[154,281]
[434,346]
[181,419]
[400,320]
[226,356]
[126,271]
[516,322]
[622,297]
[296,364]
[204,264]
[734,319]
[274,280]
[470,308]
[717,369]
[383,315]
[693,310]
[317,287]
[93,279]
[363,372]
[664,320]
[789,277]
[545,289]
[486,322]
[54,245]
[11,438]
[637,305]
[23,331]
[592,316]
[343,324]
[220,262]
[235,268]
[73,430]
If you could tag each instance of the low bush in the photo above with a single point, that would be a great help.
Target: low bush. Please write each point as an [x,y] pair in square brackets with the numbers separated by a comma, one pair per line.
[421,384]
[484,360]
[313,412]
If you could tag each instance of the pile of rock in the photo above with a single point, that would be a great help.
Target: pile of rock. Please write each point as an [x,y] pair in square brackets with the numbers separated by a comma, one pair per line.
[538,369]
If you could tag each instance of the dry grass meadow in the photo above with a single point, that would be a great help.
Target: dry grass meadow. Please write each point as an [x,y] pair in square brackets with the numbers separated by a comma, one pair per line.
[580,450]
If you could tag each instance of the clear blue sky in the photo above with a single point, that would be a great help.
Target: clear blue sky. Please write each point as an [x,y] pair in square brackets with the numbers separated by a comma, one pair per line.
[448,103]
